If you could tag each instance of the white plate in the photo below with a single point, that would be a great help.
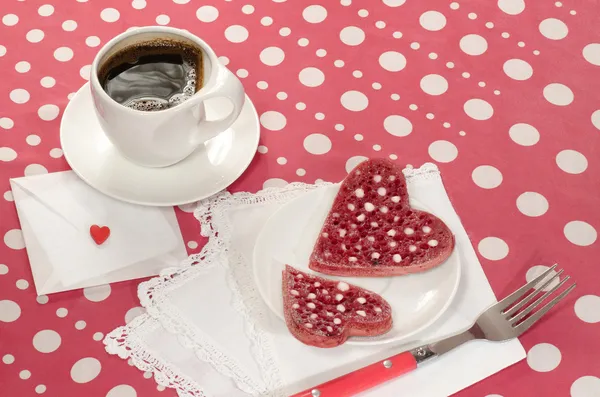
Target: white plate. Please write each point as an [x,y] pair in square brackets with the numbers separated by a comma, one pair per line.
[210,169]
[288,237]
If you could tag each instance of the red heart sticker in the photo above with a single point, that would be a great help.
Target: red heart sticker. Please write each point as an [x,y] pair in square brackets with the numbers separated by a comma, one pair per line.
[99,233]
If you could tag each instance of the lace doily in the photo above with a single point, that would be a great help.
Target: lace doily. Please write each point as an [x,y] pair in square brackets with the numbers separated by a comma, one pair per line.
[213,216]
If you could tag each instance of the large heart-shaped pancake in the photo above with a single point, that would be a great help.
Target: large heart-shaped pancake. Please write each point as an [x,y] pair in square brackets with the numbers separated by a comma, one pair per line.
[324,313]
[371,229]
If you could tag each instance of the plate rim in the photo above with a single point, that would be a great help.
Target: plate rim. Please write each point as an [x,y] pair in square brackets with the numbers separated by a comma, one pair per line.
[354,340]
[254,146]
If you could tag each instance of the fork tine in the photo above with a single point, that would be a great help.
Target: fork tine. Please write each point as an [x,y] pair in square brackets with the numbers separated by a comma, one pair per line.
[529,297]
[510,299]
[520,328]
[530,308]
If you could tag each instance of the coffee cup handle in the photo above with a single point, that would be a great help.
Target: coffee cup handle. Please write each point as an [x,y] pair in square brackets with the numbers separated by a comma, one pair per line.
[226,85]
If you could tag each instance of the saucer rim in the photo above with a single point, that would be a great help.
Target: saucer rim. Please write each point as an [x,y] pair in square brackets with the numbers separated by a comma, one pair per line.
[254,146]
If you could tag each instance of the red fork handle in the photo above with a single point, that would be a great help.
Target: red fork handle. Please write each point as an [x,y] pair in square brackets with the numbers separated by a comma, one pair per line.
[363,379]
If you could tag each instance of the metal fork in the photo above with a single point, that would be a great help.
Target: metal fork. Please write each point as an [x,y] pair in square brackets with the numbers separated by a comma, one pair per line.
[502,321]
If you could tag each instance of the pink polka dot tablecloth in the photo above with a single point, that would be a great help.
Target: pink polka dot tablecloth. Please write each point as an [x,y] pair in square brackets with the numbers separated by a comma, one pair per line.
[503,95]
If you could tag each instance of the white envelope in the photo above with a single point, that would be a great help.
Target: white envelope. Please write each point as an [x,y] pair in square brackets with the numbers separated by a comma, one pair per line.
[56,212]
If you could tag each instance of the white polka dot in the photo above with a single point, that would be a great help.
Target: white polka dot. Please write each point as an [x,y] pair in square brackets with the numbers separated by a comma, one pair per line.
[110,15]
[571,161]
[9,311]
[300,106]
[63,54]
[512,7]
[532,204]
[580,233]
[7,154]
[587,308]
[363,13]
[473,44]
[56,153]
[524,134]
[432,20]
[352,35]
[558,94]
[139,4]
[352,162]
[248,9]
[266,21]
[210,14]
[48,112]
[397,125]
[163,19]
[434,84]
[42,299]
[85,370]
[586,386]
[319,116]
[35,169]
[272,56]
[242,73]
[10,19]
[287,31]
[300,172]
[133,313]
[443,151]
[493,248]
[80,325]
[123,391]
[8,359]
[2,50]
[262,149]
[338,63]
[536,271]
[19,96]
[40,389]
[394,3]
[98,336]
[4,268]
[98,293]
[314,14]
[487,177]
[595,119]
[6,123]
[69,25]
[62,312]
[25,374]
[84,72]
[543,357]
[22,284]
[311,77]
[273,120]
[517,69]
[358,137]
[478,109]
[192,245]
[355,101]
[46,341]
[317,144]
[92,41]
[46,10]
[23,67]
[14,239]
[235,33]
[47,82]
[553,29]
[415,46]
[392,61]
[274,182]
[591,53]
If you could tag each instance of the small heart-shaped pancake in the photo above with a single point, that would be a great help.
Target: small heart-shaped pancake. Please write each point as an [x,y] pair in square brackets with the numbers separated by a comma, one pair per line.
[371,229]
[324,313]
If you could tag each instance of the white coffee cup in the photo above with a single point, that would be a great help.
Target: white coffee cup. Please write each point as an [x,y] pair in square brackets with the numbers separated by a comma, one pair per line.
[165,137]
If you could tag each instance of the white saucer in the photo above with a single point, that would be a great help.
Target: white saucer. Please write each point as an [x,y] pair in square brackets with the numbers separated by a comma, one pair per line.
[210,169]
[288,237]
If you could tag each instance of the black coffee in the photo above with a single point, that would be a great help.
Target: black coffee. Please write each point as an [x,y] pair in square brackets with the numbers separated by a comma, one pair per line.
[153,75]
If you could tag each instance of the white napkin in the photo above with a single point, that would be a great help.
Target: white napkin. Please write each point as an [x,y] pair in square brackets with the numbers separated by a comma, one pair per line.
[56,212]
[216,311]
